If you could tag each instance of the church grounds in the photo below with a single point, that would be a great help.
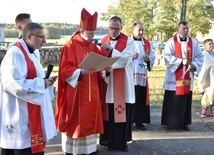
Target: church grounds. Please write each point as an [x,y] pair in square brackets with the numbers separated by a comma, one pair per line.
[156,77]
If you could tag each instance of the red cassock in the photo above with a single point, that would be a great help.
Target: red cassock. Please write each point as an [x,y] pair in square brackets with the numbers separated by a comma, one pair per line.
[78,110]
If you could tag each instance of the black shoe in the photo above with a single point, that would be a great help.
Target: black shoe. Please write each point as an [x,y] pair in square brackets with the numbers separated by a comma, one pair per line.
[104,143]
[125,149]
[140,126]
[186,128]
[111,149]
[175,129]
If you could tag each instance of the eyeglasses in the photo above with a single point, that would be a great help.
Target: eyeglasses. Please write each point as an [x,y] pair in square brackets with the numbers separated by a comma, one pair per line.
[42,37]
[113,28]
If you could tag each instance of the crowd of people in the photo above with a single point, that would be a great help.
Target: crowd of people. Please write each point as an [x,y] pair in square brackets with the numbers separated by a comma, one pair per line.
[90,104]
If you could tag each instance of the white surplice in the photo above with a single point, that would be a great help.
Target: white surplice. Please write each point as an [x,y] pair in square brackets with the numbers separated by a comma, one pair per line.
[138,64]
[206,78]
[172,62]
[1,96]
[36,52]
[17,91]
[125,61]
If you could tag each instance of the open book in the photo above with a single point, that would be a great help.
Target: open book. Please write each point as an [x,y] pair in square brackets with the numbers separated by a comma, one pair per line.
[97,62]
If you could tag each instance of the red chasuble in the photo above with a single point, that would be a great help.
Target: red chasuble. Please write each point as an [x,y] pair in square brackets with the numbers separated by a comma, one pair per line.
[34,111]
[78,110]
[119,82]
[147,51]
[182,83]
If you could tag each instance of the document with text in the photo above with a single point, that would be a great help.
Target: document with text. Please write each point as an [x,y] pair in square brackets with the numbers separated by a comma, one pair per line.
[97,62]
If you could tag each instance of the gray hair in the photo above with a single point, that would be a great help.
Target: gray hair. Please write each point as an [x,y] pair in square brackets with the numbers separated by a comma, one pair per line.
[31,28]
[138,23]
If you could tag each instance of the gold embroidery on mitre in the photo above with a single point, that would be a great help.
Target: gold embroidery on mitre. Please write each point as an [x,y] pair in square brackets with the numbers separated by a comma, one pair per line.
[180,83]
[37,140]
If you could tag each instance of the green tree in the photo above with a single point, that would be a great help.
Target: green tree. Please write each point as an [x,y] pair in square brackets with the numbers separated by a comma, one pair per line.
[161,17]
[134,11]
[200,14]
[52,32]
[11,33]
[166,18]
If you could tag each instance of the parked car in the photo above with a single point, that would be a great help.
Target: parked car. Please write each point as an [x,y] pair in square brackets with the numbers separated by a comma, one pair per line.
[154,44]
[159,50]
[161,46]
[201,46]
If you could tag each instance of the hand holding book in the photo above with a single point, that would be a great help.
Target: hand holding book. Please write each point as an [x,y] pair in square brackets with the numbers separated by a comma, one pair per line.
[105,46]
[86,71]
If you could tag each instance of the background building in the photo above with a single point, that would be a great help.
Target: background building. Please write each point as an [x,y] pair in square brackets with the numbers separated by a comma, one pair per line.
[1,33]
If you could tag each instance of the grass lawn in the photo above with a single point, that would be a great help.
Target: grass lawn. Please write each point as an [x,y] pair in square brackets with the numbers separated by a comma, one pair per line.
[156,77]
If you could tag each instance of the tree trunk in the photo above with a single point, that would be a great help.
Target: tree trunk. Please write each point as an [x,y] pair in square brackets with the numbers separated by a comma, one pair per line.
[183,10]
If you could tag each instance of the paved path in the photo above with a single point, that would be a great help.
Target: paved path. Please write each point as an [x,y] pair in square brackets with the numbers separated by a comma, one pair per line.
[158,140]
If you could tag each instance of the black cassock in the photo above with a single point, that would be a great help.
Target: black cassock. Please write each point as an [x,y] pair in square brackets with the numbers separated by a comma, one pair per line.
[176,111]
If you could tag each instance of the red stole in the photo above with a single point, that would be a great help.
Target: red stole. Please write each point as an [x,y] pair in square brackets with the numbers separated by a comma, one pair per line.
[146,46]
[147,51]
[182,84]
[119,82]
[34,114]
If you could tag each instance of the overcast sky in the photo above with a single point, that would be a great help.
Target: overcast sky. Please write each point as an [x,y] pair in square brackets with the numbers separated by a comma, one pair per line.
[65,11]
